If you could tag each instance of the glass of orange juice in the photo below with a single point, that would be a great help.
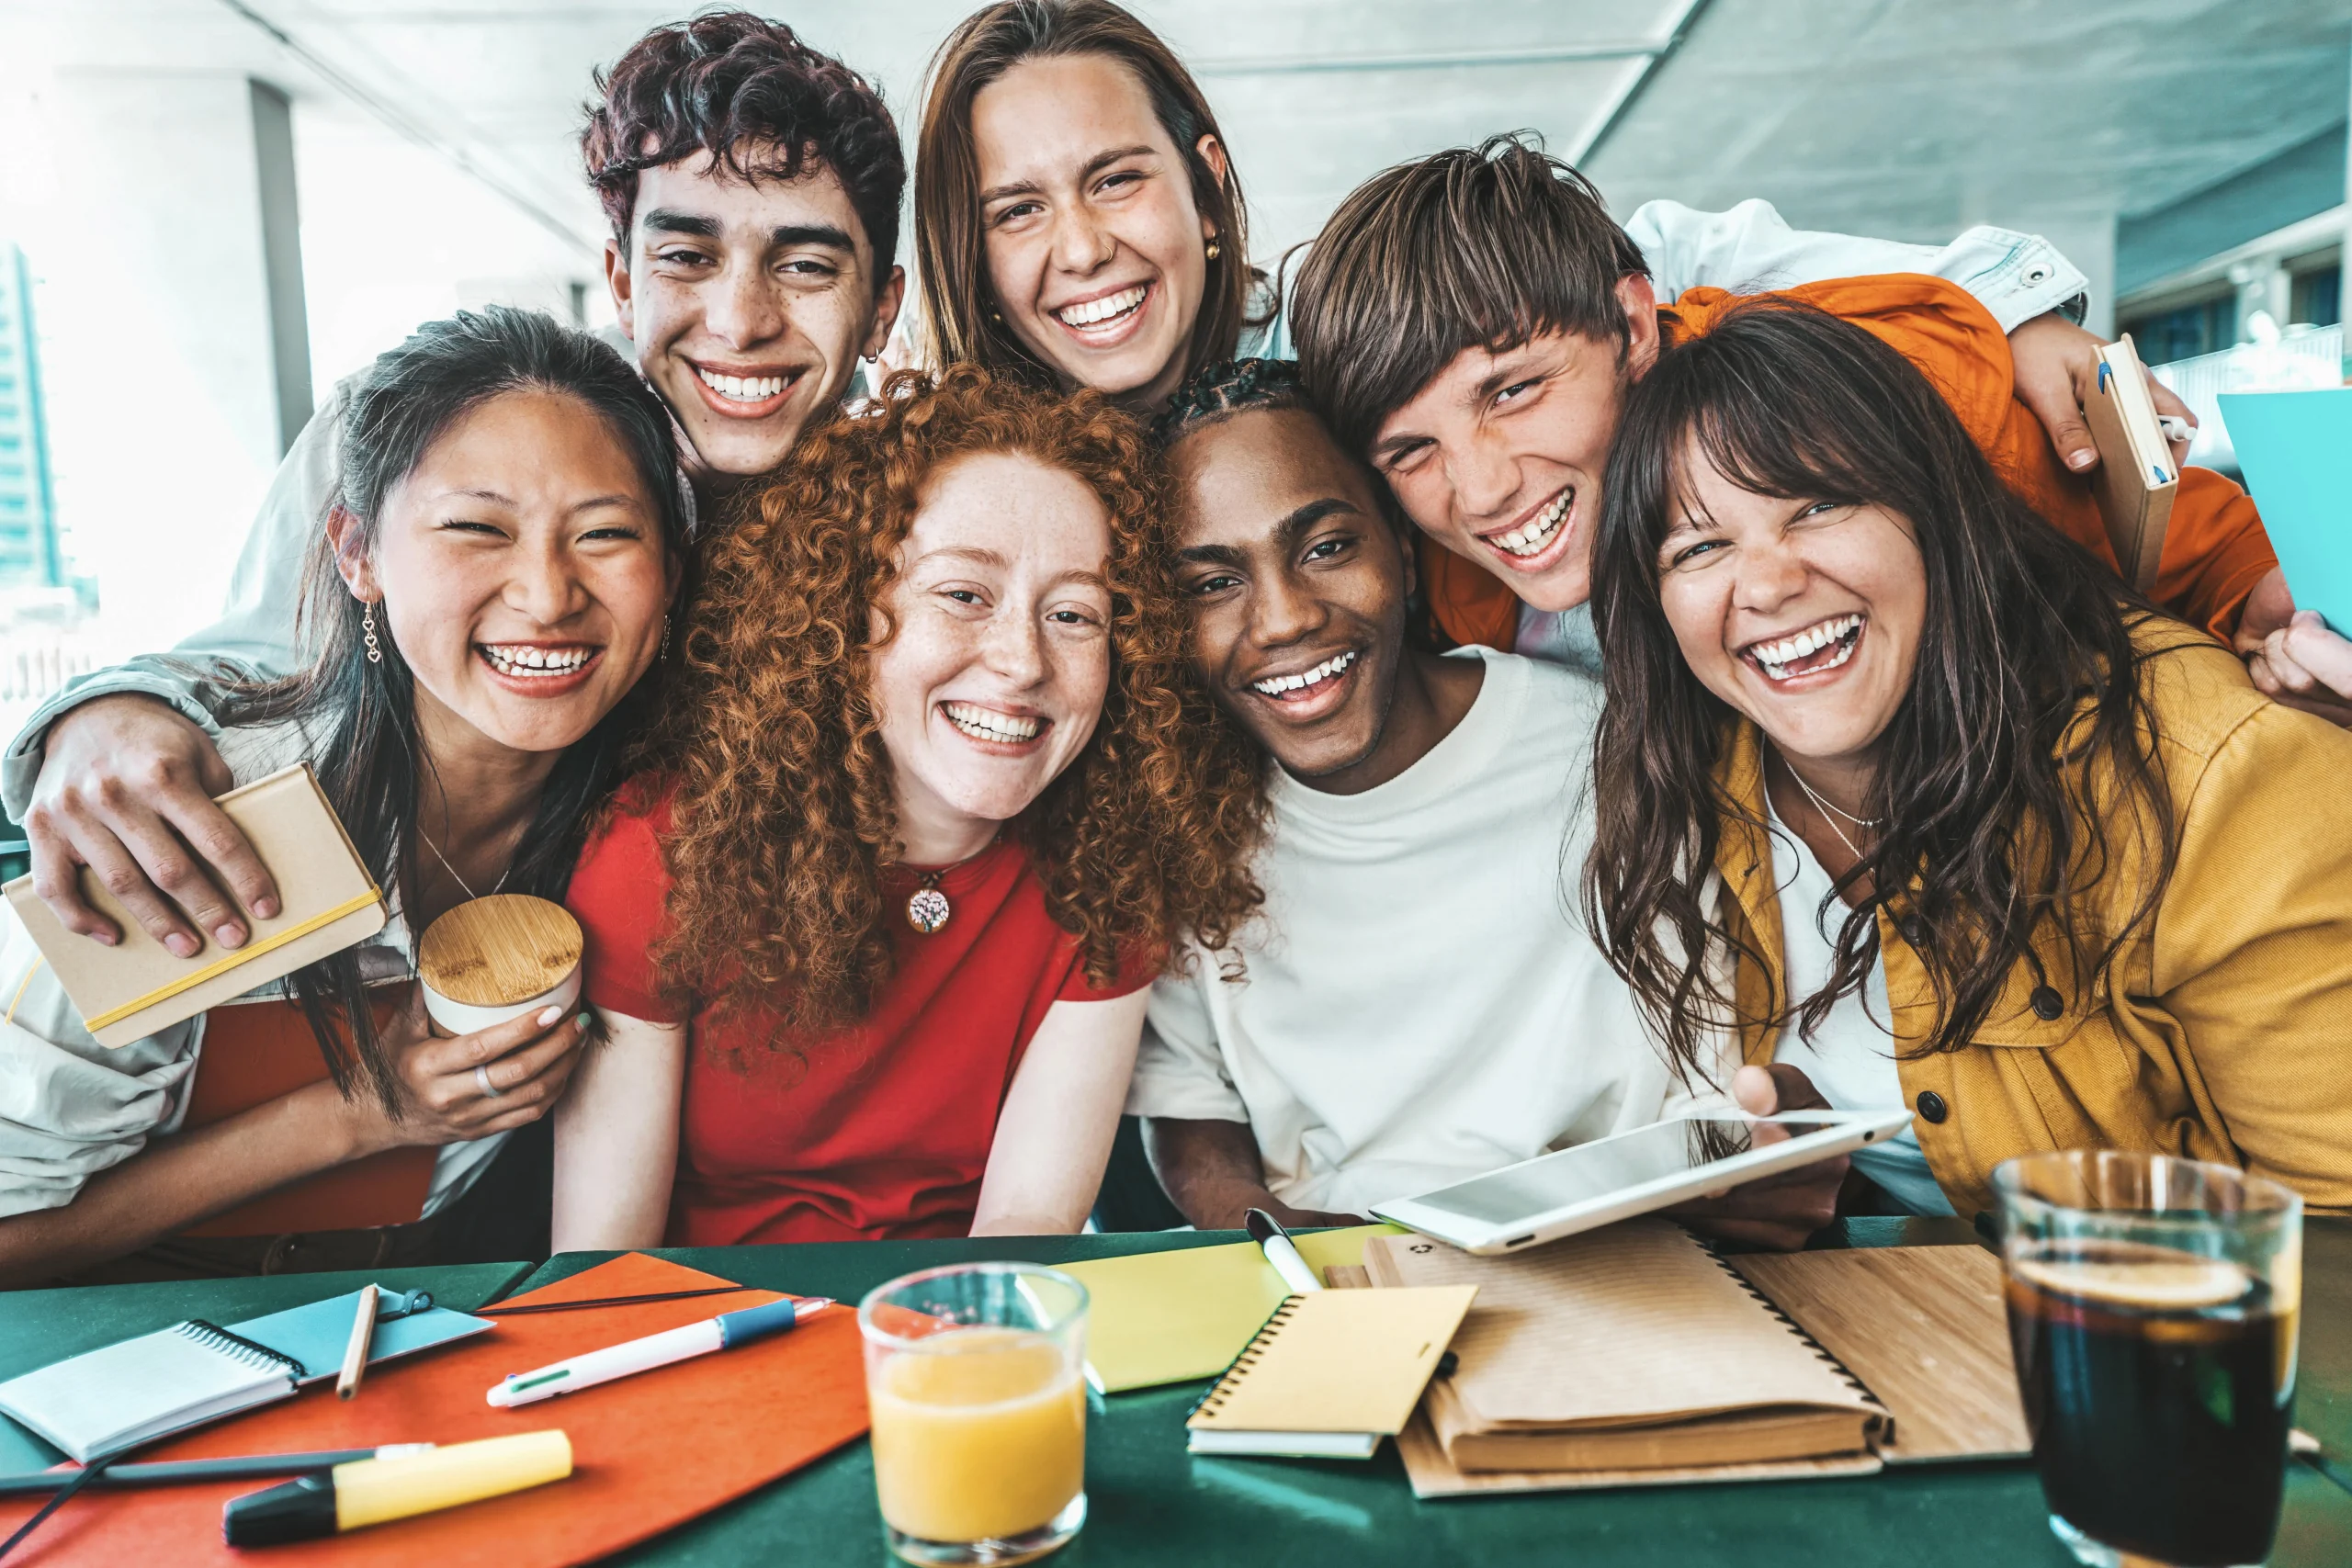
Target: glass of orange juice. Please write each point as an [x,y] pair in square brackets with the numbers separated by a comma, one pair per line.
[975,1374]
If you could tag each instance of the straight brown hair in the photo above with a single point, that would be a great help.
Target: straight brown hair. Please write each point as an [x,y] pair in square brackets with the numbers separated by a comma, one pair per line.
[2021,769]
[1482,246]
[959,307]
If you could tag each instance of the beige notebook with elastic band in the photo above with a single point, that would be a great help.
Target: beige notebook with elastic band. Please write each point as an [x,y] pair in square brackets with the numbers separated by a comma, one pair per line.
[327,902]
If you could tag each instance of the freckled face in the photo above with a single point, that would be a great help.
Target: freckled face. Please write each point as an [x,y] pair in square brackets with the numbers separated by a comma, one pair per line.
[994,676]
[1806,615]
[1096,252]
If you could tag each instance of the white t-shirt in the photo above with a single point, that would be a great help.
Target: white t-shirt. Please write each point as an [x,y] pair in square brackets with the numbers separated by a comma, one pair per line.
[1850,1059]
[1419,1005]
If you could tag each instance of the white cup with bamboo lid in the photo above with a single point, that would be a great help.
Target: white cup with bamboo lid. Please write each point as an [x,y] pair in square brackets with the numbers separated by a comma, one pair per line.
[498,957]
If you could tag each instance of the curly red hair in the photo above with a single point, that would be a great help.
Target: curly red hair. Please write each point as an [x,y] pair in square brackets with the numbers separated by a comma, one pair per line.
[781,817]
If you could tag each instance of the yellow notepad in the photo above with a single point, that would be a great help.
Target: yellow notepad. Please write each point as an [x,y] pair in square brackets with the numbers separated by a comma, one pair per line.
[1161,1318]
[1330,1373]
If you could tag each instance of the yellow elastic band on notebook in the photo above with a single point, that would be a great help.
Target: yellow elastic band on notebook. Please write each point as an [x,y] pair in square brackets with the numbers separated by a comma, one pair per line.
[244,956]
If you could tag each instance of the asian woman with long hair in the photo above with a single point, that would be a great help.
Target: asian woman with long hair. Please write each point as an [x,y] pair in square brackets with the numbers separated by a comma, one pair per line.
[484,601]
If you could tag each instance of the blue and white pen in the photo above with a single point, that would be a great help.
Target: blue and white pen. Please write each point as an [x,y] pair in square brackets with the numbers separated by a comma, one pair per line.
[728,1331]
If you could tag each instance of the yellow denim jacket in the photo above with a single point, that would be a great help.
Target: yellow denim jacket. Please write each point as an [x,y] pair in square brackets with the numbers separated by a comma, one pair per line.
[2221,1030]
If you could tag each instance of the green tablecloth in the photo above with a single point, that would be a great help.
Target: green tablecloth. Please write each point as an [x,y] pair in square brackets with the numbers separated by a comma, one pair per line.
[1152,1503]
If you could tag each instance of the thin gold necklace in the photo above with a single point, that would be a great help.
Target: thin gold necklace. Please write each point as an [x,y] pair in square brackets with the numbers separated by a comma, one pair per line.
[1830,814]
[453,870]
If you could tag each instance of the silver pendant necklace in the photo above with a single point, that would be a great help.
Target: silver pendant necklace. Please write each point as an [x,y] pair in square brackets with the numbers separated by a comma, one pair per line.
[927,907]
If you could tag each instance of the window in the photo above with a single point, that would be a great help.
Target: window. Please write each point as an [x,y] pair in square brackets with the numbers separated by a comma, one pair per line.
[2185,331]
[2317,296]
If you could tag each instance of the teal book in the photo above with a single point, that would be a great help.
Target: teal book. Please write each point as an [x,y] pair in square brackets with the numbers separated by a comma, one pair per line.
[2292,447]
[124,1395]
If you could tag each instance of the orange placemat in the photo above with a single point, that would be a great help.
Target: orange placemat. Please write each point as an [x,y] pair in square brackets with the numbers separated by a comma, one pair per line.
[649,1452]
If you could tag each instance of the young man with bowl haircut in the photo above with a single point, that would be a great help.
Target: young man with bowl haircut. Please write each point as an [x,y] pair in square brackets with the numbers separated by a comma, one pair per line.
[1417,1004]
[753,188]
[1486,391]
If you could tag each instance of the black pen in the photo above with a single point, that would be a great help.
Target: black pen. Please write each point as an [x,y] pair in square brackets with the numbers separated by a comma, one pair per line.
[1280,1251]
[177,1473]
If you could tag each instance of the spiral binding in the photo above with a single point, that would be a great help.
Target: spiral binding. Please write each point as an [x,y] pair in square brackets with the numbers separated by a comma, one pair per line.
[1250,1357]
[237,1348]
[1815,1346]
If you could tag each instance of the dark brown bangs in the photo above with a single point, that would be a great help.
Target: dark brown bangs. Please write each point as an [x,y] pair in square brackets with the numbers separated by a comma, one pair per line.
[1428,258]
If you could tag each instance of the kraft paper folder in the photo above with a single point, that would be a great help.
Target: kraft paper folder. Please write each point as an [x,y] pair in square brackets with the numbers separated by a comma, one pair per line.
[327,902]
[1631,1356]
[652,1451]
[2292,446]
[2135,480]
[1161,1318]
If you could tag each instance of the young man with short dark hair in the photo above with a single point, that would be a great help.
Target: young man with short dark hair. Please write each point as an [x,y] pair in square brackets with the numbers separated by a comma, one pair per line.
[753,186]
[1469,322]
[1418,1003]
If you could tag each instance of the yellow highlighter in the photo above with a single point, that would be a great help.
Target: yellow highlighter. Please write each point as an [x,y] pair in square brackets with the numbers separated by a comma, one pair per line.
[376,1491]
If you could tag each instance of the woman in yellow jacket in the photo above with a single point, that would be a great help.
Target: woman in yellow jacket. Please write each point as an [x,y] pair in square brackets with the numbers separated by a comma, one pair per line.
[1911,794]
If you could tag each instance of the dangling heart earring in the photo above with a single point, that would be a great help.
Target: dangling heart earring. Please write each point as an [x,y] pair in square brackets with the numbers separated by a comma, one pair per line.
[368,634]
[1213,250]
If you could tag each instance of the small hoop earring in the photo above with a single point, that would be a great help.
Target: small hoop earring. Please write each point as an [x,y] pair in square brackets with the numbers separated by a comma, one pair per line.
[368,634]
[1213,250]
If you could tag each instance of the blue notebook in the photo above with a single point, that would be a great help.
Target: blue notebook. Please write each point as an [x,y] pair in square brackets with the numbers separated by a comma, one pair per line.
[2292,445]
[123,1395]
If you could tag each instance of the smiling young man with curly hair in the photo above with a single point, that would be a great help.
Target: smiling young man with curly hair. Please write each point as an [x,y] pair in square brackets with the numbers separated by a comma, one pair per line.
[753,184]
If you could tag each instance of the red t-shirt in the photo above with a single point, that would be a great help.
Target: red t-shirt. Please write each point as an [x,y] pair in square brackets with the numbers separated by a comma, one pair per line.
[879,1130]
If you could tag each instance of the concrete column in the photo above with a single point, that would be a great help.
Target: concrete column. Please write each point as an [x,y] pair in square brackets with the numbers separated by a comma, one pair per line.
[182,368]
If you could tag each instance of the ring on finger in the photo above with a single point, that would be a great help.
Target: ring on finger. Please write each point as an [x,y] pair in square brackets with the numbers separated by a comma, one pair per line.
[481,1076]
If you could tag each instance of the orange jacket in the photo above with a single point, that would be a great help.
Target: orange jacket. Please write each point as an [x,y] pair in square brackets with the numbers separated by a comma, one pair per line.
[2215,550]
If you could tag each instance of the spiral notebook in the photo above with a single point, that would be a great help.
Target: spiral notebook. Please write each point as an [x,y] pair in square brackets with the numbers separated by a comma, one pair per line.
[1330,1374]
[125,1394]
[1633,1356]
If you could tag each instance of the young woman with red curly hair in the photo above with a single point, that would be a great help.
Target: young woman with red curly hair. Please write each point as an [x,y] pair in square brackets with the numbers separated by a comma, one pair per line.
[872,932]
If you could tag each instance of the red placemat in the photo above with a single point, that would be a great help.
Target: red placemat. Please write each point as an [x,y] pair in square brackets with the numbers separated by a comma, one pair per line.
[649,1452]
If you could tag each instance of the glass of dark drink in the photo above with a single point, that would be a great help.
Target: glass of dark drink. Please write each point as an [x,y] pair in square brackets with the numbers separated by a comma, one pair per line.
[2153,1308]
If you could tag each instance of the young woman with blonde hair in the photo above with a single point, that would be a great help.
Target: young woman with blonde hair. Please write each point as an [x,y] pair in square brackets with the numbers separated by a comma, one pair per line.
[937,795]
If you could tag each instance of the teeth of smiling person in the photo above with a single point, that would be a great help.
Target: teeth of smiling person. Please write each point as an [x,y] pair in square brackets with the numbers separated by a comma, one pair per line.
[1275,685]
[1101,309]
[987,723]
[1529,538]
[1788,649]
[1775,658]
[742,389]
[520,659]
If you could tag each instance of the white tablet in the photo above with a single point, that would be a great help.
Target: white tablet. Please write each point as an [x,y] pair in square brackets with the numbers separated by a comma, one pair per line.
[1614,1178]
